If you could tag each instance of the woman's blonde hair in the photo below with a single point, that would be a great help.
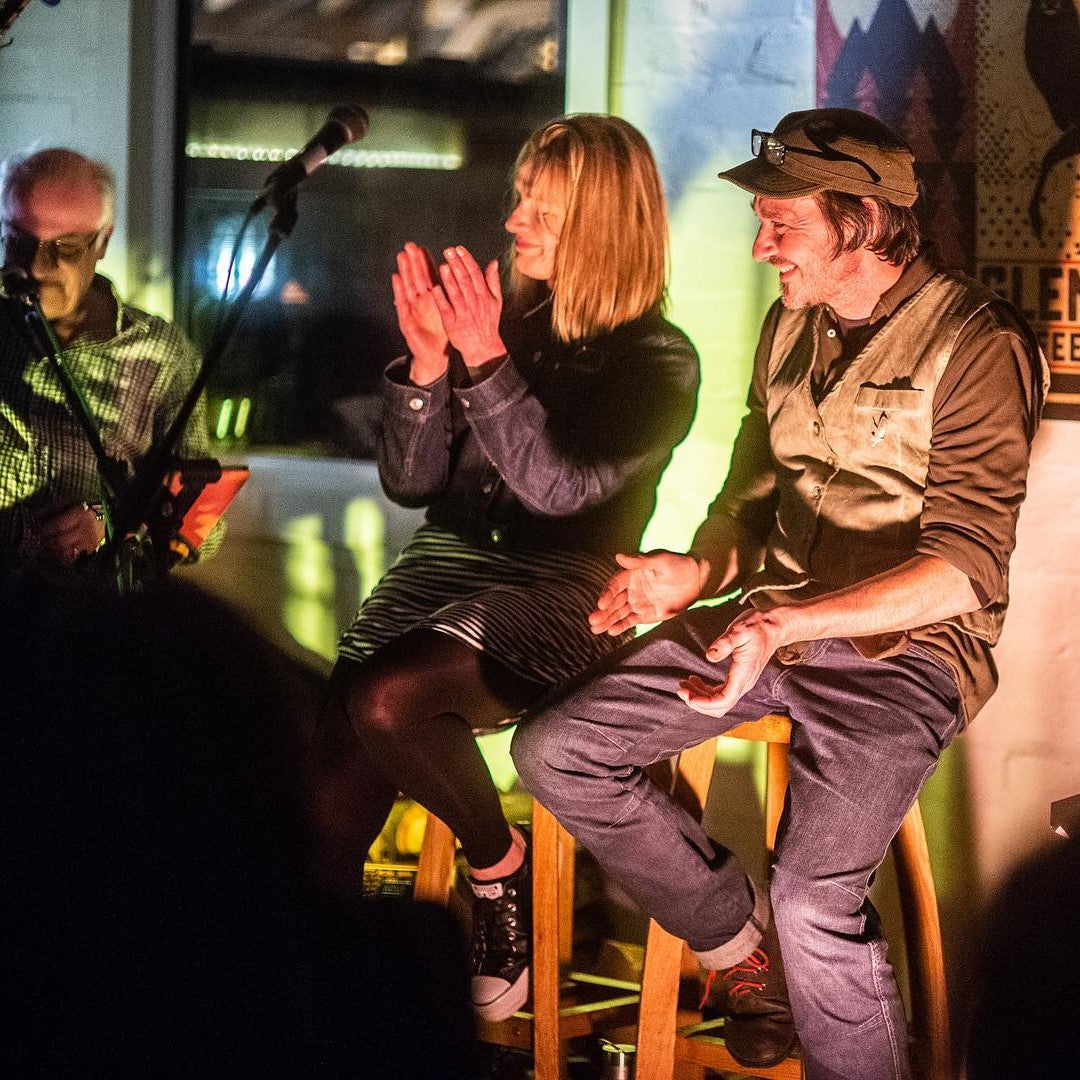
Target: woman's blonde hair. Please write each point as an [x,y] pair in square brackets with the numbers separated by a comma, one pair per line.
[612,257]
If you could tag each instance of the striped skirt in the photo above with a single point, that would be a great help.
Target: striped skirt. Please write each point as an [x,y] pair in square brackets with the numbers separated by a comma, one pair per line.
[527,609]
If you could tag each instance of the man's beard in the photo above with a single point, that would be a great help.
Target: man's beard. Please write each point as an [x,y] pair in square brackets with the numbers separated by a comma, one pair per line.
[823,283]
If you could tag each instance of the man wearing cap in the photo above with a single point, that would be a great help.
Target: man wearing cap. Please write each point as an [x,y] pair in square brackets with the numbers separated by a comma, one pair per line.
[866,525]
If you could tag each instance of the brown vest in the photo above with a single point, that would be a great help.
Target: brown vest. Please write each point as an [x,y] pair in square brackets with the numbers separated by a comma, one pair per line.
[852,470]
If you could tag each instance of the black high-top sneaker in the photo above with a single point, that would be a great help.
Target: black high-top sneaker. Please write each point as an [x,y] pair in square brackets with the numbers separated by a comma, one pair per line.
[501,942]
[758,1031]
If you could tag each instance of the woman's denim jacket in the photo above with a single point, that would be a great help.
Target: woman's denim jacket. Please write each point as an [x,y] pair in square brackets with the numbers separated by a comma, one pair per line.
[561,445]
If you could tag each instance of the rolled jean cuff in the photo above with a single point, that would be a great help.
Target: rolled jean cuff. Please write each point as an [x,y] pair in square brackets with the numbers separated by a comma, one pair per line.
[745,941]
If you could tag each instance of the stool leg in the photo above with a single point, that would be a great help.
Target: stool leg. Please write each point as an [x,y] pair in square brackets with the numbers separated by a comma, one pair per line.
[659,1005]
[926,961]
[436,862]
[776,782]
[566,897]
[663,953]
[549,1052]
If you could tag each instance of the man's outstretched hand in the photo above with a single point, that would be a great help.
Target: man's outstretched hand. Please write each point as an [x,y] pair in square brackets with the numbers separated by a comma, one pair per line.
[649,589]
[750,642]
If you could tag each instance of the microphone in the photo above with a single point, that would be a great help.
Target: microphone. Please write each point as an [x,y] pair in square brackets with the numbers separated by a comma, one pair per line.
[345,124]
[17,277]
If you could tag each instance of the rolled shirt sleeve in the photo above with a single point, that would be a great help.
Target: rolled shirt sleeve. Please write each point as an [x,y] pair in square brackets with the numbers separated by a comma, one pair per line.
[986,409]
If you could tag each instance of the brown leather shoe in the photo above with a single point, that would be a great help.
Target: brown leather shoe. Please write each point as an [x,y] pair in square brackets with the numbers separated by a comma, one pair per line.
[758,1029]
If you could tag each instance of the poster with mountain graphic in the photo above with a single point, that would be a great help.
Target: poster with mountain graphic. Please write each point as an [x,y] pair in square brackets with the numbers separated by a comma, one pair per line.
[912,64]
[987,92]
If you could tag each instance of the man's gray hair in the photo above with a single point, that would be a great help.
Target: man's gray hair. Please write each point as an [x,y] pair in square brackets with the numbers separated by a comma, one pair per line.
[21,172]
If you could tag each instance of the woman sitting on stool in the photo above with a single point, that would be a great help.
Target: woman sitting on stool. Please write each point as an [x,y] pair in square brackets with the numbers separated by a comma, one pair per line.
[535,437]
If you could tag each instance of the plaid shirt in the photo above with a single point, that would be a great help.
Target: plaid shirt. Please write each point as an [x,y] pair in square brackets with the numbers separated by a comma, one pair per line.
[134,384]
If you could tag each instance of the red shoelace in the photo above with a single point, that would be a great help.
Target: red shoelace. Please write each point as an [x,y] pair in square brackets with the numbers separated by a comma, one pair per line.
[737,976]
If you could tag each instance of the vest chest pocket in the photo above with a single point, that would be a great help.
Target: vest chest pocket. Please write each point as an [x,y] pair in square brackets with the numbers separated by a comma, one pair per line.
[889,399]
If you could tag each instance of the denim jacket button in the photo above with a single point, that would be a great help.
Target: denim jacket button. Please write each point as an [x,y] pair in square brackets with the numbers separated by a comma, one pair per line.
[416,403]
[487,488]
[496,535]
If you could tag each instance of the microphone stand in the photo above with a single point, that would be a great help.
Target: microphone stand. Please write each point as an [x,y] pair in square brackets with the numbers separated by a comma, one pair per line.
[147,510]
[111,472]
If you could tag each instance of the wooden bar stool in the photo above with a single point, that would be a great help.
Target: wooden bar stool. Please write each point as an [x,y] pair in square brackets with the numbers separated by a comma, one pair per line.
[558,1011]
[661,1046]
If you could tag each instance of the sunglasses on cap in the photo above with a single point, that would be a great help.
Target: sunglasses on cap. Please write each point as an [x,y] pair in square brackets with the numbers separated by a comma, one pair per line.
[765,145]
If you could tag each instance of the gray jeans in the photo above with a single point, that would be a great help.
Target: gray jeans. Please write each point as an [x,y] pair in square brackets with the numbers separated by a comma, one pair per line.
[866,734]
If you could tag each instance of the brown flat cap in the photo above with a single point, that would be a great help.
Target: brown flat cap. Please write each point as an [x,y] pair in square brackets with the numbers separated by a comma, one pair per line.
[829,149]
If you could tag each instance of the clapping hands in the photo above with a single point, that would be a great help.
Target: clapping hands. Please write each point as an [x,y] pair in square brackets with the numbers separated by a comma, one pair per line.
[458,305]
[470,305]
[418,315]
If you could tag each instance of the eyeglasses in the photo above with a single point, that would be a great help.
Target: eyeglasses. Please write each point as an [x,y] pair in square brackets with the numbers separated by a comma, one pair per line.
[69,249]
[765,145]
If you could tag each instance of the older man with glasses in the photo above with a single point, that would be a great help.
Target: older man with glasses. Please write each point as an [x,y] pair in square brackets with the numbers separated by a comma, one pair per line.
[865,528]
[132,369]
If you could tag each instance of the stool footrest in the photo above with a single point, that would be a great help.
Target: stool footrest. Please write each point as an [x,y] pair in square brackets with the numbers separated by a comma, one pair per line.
[583,977]
[591,1008]
[710,1050]
[574,1021]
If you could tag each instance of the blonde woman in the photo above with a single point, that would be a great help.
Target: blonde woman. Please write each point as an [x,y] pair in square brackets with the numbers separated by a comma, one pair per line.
[534,432]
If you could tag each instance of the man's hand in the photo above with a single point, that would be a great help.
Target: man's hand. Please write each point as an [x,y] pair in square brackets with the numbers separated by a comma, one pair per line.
[470,304]
[750,641]
[72,532]
[921,591]
[418,315]
[649,589]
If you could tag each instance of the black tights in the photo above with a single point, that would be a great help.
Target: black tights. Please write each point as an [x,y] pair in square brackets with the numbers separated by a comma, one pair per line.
[403,720]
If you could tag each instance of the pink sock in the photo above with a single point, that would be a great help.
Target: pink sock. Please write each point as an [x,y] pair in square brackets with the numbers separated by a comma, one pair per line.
[507,864]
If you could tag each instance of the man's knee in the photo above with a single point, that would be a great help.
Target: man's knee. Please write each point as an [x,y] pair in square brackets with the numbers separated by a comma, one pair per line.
[552,743]
[529,750]
[804,905]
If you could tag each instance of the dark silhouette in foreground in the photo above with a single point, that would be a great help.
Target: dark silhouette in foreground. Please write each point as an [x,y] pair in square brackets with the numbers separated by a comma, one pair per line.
[158,919]
[1028,988]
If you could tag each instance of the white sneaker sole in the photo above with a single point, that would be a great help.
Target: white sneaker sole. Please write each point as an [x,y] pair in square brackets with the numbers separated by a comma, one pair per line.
[508,1002]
